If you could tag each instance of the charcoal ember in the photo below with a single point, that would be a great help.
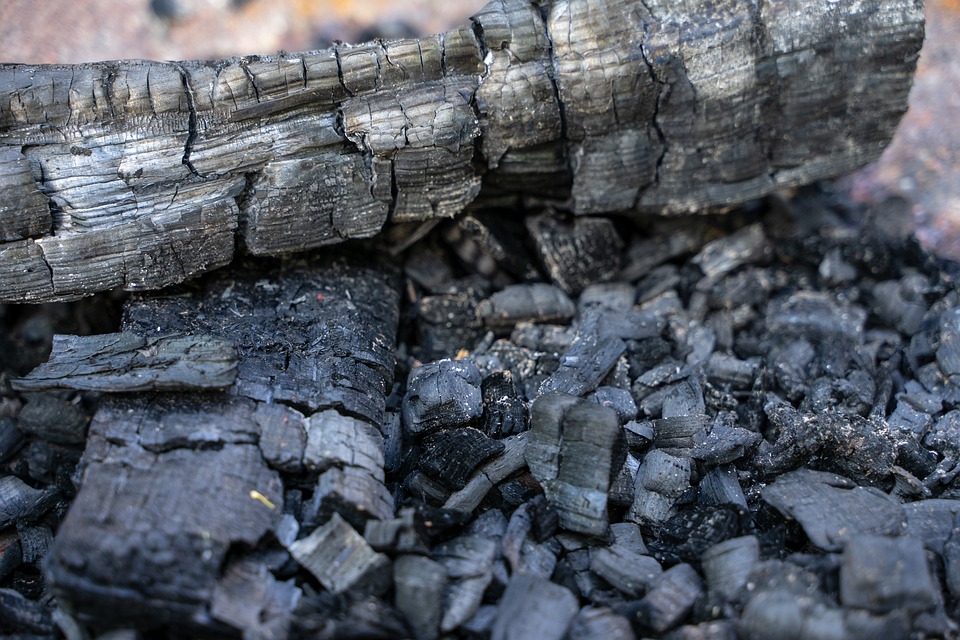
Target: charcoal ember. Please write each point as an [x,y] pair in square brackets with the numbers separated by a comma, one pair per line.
[660,482]
[621,489]
[426,489]
[639,434]
[392,430]
[248,598]
[316,332]
[35,541]
[584,366]
[714,630]
[445,393]
[631,324]
[407,533]
[625,566]
[536,302]
[21,502]
[451,456]
[780,613]
[468,561]
[620,400]
[283,436]
[11,438]
[727,565]
[342,560]
[724,442]
[882,574]
[525,543]
[448,322]
[504,411]
[722,486]
[932,521]
[600,623]
[721,256]
[54,419]
[488,241]
[578,252]
[552,338]
[813,314]
[791,367]
[534,607]
[669,601]
[419,584]
[124,362]
[490,474]
[677,435]
[575,451]
[349,454]
[692,530]
[731,372]
[19,614]
[900,303]
[832,509]
[648,251]
[607,298]
[520,489]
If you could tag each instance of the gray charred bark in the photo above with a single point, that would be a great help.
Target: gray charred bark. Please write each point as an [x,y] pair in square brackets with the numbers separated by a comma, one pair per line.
[142,174]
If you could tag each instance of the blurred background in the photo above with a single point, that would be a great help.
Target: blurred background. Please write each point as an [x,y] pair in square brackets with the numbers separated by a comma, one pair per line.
[922,165]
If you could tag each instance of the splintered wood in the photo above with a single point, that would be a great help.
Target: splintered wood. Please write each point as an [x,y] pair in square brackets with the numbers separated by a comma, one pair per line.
[142,174]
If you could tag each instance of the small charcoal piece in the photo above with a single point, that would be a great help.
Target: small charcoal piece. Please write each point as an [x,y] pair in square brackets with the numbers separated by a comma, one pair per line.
[249,598]
[720,257]
[34,542]
[448,322]
[728,564]
[627,569]
[526,545]
[587,362]
[576,448]
[884,574]
[816,314]
[948,351]
[537,302]
[533,607]
[832,509]
[442,394]
[600,623]
[420,583]
[693,529]
[469,564]
[19,501]
[342,560]
[670,599]
[490,475]
[577,253]
[124,362]
[20,614]
[487,240]
[54,419]
[407,533]
[504,411]
[722,486]
[932,521]
[451,456]
[660,482]
[11,438]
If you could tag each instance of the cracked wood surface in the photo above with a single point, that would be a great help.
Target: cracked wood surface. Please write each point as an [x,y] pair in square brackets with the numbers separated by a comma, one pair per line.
[142,174]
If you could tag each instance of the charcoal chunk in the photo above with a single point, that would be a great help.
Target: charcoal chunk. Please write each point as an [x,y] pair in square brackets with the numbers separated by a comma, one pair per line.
[407,533]
[468,561]
[575,451]
[948,352]
[445,393]
[582,368]
[537,302]
[22,614]
[670,600]
[832,509]
[629,571]
[932,521]
[727,565]
[534,607]
[661,480]
[883,574]
[123,362]
[251,600]
[448,322]
[342,560]
[600,623]
[19,501]
[420,583]
[283,436]
[576,253]
[489,475]
[53,419]
[723,255]
[11,438]
[816,315]
[721,486]
[452,455]
[504,411]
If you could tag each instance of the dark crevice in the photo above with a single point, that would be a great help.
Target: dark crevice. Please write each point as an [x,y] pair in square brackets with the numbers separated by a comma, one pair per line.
[336,55]
[191,119]
[662,89]
[551,69]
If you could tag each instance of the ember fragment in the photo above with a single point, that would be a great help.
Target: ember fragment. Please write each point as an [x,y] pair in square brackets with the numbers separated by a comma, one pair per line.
[453,455]
[19,501]
[342,560]
[600,623]
[670,600]
[575,451]
[469,564]
[420,583]
[727,565]
[53,419]
[534,607]
[537,302]
[577,253]
[660,482]
[442,394]
[885,574]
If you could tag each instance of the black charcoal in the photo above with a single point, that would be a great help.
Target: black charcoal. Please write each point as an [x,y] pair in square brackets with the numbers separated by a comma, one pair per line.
[448,322]
[638,434]
[835,270]
[468,561]
[35,541]
[575,451]
[10,554]
[11,438]
[490,240]
[600,623]
[250,599]
[694,528]
[621,489]
[661,480]
[19,501]
[715,630]
[419,584]
[677,435]
[832,509]
[534,607]
[537,302]
[551,338]
[124,362]
[722,486]
[54,419]
[724,442]
[489,475]
[724,255]
[731,371]
[283,436]
[407,533]
[727,565]
[631,324]
[578,252]
[932,521]
[583,367]
[817,315]
[526,544]
[948,351]
[504,411]
[342,560]
[22,614]
[451,456]
[617,399]
[442,394]
[424,488]
[626,569]
[883,574]
[607,297]
[672,597]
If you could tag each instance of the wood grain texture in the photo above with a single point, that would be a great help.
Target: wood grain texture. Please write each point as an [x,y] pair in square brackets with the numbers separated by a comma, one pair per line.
[142,174]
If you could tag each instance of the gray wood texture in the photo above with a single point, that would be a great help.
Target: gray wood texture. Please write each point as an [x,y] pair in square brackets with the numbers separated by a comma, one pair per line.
[142,174]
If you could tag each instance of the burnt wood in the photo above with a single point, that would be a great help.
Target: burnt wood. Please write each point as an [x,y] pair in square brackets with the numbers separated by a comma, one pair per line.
[141,174]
